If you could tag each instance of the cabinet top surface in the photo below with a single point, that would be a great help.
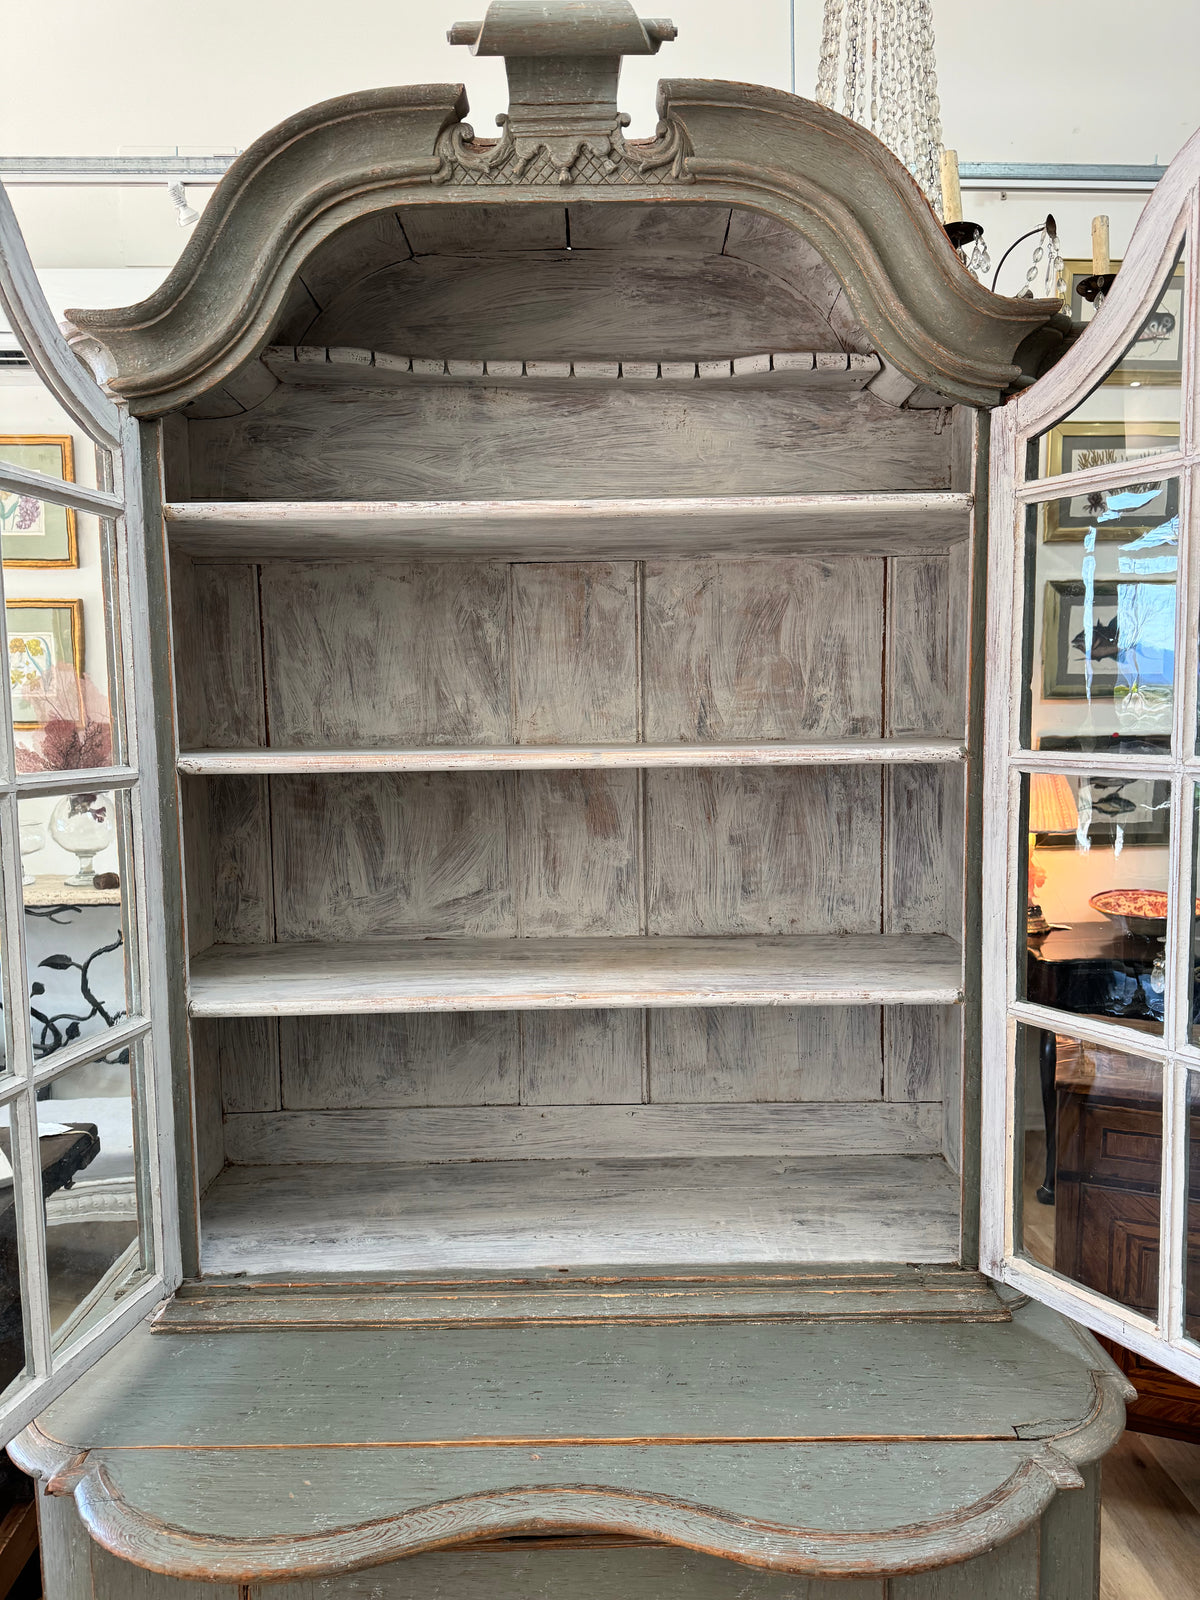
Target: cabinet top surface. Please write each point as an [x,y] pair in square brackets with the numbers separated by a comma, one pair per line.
[804,1445]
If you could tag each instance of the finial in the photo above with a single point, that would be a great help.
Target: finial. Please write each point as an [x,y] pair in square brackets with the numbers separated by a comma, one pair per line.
[563,59]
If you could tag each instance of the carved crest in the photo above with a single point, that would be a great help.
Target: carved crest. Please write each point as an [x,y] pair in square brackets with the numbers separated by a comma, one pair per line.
[562,124]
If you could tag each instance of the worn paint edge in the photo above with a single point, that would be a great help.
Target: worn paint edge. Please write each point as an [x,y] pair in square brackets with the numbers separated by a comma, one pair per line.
[133,1535]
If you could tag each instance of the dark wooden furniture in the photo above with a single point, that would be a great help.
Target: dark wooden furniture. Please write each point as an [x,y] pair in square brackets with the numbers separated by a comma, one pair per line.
[1108,1154]
[62,1155]
[1093,970]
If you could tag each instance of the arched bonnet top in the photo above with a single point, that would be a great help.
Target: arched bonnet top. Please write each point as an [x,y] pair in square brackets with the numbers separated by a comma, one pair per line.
[760,149]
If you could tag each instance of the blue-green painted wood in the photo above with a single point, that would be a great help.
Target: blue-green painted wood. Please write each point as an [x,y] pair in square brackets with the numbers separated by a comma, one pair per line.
[1007,1573]
[710,1381]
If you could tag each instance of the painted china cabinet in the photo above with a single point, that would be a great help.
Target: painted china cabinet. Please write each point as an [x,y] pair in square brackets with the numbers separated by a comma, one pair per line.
[584,1053]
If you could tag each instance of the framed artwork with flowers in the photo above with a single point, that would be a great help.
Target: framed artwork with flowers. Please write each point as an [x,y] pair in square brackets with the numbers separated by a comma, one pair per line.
[33,533]
[45,652]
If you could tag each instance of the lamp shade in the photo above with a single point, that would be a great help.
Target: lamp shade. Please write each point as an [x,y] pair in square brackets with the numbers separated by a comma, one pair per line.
[1052,807]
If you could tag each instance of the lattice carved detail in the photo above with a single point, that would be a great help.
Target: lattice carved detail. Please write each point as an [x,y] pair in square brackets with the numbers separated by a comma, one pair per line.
[501,164]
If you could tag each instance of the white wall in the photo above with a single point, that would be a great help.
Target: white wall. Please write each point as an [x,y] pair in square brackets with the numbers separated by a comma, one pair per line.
[1022,81]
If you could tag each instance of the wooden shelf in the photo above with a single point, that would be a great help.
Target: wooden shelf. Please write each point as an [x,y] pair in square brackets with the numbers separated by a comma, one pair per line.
[859,524]
[538,758]
[537,974]
[519,1215]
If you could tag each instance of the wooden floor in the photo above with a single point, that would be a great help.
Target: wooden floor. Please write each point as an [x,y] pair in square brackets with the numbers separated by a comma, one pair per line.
[1150,1520]
[1150,1515]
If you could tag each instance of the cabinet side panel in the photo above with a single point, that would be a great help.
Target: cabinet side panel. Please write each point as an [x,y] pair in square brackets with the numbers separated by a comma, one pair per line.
[926,684]
[780,648]
[247,1053]
[918,1042]
[66,1561]
[210,1127]
[240,855]
[923,843]
[218,656]
[1071,1542]
[195,826]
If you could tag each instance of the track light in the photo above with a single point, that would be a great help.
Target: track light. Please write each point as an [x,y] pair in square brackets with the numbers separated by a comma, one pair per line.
[186,214]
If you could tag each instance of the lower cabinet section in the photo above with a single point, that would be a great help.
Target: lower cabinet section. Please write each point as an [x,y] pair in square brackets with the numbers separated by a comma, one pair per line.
[1056,1559]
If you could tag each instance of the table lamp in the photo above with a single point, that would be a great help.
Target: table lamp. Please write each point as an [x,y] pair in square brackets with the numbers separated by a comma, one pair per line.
[1052,809]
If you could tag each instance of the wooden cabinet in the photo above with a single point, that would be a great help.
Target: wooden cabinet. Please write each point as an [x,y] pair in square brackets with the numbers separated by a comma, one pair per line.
[1107,1220]
[563,605]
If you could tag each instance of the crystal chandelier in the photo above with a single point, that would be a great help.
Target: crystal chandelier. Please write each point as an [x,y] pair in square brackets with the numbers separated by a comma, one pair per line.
[881,54]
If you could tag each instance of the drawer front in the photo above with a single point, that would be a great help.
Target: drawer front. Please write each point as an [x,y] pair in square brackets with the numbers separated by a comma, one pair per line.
[1115,1143]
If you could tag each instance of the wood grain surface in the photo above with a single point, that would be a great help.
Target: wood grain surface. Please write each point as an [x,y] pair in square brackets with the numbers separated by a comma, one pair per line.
[513,1216]
[504,975]
[615,528]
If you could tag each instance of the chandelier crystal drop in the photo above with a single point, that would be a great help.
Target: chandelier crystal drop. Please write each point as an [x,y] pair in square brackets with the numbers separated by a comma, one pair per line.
[877,56]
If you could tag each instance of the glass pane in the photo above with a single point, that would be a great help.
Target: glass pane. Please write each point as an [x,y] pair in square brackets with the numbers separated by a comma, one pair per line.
[1134,411]
[59,631]
[1191,1244]
[1090,1138]
[1100,641]
[91,1205]
[76,938]
[1095,859]
[37,434]
[12,1319]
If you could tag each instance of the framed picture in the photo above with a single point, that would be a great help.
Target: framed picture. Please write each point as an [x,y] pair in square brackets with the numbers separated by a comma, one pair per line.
[1136,810]
[1156,356]
[42,635]
[1076,446]
[1130,639]
[32,533]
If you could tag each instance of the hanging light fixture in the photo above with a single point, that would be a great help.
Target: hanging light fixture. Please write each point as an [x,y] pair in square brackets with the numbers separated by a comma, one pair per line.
[877,61]
[878,55]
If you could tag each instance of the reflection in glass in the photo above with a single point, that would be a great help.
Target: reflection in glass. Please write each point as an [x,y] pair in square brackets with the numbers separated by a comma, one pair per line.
[1191,1243]
[93,1224]
[12,1320]
[1134,411]
[58,655]
[1097,895]
[1100,645]
[76,940]
[1090,1173]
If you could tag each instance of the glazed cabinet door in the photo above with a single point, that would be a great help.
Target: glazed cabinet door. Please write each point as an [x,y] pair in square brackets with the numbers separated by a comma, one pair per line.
[1091,1040]
[86,1244]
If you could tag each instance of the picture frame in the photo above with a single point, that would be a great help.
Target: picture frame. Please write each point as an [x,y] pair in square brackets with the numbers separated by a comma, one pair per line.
[1160,362]
[1135,808]
[48,634]
[34,533]
[1078,446]
[1149,608]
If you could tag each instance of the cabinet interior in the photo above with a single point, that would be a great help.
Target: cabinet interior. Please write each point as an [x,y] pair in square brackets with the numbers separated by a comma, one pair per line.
[571,893]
